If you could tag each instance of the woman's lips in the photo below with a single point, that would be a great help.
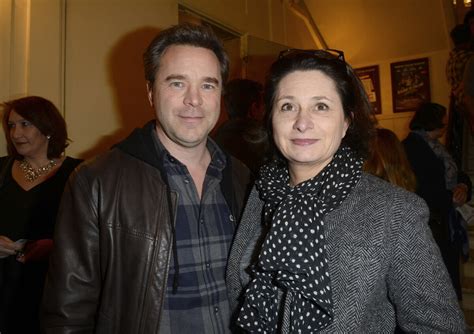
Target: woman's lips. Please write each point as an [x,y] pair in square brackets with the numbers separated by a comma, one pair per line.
[304,142]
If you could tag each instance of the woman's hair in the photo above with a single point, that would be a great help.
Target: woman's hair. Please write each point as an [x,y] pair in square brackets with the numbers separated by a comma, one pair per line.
[355,103]
[428,117]
[184,34]
[44,115]
[388,160]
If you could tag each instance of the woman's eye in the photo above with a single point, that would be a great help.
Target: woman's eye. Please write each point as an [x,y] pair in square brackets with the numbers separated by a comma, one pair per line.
[25,123]
[321,107]
[11,125]
[287,107]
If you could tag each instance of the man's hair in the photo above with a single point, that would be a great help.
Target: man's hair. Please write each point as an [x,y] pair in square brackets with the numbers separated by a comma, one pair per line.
[468,16]
[428,117]
[460,34]
[184,34]
[44,115]
[240,94]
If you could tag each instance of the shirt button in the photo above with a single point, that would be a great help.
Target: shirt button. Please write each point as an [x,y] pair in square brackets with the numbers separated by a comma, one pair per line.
[208,265]
[231,217]
[201,221]
[216,309]
[186,180]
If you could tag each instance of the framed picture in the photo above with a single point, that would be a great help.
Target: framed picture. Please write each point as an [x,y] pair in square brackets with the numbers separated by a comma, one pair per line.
[370,79]
[410,84]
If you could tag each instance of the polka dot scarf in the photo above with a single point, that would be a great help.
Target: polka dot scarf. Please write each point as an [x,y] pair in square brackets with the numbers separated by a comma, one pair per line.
[291,287]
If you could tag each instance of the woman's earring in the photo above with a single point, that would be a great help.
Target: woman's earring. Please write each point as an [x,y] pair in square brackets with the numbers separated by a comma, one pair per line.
[48,137]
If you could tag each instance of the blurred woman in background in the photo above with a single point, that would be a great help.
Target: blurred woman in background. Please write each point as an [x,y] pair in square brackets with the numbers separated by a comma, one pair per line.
[32,179]
[388,160]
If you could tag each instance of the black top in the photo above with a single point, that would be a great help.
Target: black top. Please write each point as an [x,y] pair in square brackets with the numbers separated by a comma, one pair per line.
[429,171]
[26,215]
[431,186]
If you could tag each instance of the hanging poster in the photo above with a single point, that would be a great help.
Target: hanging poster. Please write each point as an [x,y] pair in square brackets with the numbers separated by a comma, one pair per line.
[370,79]
[410,84]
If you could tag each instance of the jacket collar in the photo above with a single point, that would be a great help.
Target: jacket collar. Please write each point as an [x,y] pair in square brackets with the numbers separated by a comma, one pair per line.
[139,144]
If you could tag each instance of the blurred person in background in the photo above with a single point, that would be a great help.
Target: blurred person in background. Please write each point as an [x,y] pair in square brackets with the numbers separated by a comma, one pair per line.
[440,183]
[458,109]
[243,134]
[388,160]
[32,179]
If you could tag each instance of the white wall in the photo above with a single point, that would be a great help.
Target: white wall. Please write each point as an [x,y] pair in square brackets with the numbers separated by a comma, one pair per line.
[104,81]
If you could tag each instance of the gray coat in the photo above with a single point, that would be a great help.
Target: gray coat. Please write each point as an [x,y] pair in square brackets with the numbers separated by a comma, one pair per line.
[384,265]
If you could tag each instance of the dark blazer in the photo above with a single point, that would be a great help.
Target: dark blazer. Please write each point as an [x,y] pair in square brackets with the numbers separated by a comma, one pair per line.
[384,265]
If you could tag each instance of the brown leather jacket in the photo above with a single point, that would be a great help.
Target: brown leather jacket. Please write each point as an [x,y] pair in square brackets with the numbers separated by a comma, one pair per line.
[113,241]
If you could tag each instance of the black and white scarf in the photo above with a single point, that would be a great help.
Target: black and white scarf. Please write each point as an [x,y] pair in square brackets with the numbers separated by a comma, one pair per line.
[291,287]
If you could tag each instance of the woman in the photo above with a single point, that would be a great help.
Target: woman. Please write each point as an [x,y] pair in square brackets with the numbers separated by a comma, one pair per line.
[440,184]
[388,160]
[339,250]
[32,180]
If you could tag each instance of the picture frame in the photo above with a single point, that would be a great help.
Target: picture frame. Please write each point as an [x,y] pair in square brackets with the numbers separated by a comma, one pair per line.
[410,84]
[369,76]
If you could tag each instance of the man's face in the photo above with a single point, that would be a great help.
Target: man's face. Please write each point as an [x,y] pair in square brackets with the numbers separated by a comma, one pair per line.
[186,96]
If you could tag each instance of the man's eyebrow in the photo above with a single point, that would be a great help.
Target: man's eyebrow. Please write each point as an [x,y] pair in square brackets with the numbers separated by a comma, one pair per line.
[183,77]
[211,80]
[175,77]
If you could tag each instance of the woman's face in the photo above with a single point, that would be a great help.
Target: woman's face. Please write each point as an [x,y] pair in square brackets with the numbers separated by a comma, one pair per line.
[308,122]
[27,139]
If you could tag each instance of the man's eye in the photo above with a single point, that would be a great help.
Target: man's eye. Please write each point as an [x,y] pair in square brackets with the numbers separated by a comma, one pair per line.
[177,84]
[208,86]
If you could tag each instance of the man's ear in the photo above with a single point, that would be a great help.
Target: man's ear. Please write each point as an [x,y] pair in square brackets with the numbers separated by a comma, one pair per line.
[149,92]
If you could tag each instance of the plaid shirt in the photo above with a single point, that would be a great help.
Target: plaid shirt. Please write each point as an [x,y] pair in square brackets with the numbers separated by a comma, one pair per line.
[204,231]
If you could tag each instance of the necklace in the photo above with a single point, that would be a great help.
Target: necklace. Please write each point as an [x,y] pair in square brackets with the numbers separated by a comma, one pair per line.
[32,174]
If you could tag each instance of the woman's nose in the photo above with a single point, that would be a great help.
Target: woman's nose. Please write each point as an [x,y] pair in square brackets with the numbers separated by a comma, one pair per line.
[303,122]
[15,132]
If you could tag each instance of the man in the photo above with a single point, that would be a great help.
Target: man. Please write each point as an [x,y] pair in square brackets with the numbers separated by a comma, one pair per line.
[144,231]
[243,135]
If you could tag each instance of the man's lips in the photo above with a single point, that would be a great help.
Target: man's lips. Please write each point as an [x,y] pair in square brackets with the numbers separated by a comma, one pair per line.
[191,119]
